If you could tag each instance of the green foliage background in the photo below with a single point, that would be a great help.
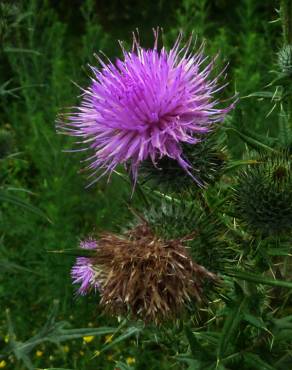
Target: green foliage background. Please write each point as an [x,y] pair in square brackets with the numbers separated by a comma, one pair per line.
[44,46]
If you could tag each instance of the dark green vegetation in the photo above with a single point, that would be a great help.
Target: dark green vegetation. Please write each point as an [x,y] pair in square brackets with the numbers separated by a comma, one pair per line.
[44,207]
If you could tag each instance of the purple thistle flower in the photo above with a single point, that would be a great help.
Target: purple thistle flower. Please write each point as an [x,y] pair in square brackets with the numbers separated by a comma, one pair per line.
[88,244]
[145,106]
[83,272]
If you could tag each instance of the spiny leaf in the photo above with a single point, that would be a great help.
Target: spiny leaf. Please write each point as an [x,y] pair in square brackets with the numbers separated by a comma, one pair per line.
[234,164]
[254,321]
[231,324]
[128,333]
[283,323]
[4,197]
[255,362]
[122,366]
[264,94]
[6,265]
[196,348]
[52,331]
[253,142]
[55,368]
[21,50]
[279,251]
[79,252]
[254,278]
[193,364]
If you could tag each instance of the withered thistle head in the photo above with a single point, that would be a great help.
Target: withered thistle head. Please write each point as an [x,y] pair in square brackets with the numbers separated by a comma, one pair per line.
[147,277]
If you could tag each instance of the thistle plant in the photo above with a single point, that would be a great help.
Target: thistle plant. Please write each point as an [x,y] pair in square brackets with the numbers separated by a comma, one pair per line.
[207,252]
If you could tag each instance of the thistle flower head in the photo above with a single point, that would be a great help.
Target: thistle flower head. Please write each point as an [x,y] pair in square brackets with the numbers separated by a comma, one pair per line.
[145,106]
[263,195]
[145,276]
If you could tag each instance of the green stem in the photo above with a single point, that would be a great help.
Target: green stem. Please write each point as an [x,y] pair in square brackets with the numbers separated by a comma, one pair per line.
[286,17]
[286,110]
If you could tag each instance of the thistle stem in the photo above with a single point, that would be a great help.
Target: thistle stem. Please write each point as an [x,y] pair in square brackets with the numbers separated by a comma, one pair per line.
[286,18]
[286,110]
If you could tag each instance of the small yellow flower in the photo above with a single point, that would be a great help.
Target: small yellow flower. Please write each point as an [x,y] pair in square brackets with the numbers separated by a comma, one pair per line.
[2,364]
[88,339]
[39,353]
[130,360]
[108,338]
[6,338]
[96,353]
[81,353]
[110,357]
[66,349]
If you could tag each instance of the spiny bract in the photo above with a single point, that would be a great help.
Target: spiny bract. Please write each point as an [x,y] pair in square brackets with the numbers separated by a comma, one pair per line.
[285,59]
[207,159]
[174,220]
[263,195]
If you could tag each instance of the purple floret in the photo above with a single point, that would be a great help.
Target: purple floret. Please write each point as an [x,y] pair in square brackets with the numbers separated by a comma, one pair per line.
[83,272]
[145,105]
[88,244]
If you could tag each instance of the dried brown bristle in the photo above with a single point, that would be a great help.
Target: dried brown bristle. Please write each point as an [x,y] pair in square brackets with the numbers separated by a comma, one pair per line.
[147,277]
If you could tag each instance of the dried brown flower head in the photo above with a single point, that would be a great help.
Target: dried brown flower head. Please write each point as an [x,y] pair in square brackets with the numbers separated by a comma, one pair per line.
[145,276]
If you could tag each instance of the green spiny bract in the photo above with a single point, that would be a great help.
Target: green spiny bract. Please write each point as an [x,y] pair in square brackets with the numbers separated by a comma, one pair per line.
[263,195]
[285,59]
[207,159]
[204,233]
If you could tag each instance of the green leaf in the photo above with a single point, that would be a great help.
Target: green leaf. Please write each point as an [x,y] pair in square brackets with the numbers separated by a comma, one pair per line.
[255,362]
[254,321]
[253,140]
[122,366]
[54,368]
[53,331]
[210,337]
[128,333]
[192,363]
[254,278]
[235,164]
[21,50]
[263,94]
[283,323]
[285,133]
[4,197]
[286,252]
[79,252]
[196,348]
[283,336]
[6,265]
[282,79]
[229,331]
